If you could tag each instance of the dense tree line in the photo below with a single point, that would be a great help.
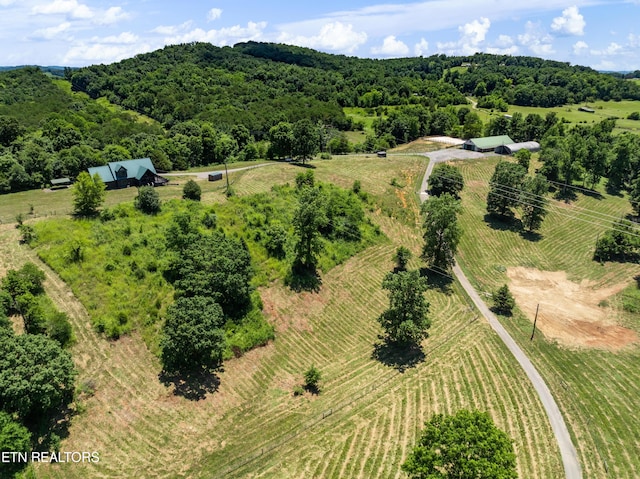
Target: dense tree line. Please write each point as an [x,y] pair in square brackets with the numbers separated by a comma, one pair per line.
[37,374]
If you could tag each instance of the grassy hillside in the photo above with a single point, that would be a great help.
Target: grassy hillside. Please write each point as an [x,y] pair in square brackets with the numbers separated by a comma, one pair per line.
[586,347]
[372,404]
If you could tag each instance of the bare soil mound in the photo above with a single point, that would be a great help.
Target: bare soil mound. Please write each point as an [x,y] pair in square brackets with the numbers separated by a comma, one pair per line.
[570,313]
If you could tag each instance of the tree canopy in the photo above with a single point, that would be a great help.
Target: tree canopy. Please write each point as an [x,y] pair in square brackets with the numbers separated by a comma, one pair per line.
[36,375]
[442,232]
[193,335]
[88,194]
[445,179]
[406,320]
[466,445]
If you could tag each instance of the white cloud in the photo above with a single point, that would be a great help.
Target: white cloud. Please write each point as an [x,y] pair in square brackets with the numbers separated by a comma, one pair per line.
[6,3]
[472,35]
[125,38]
[570,23]
[580,47]
[391,47]
[51,32]
[66,7]
[214,14]
[612,49]
[503,46]
[334,36]
[420,49]
[634,40]
[173,29]
[536,40]
[91,53]
[111,16]
[223,36]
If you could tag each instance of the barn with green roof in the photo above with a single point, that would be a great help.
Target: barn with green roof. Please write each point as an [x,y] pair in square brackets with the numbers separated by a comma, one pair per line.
[121,174]
[488,143]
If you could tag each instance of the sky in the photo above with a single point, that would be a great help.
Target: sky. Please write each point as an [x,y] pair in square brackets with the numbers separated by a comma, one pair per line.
[603,34]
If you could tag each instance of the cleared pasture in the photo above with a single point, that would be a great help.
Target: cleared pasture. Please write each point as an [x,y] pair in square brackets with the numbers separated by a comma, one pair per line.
[373,407]
[595,387]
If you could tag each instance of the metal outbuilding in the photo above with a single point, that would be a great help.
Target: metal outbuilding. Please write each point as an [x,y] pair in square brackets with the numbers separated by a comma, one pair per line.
[514,147]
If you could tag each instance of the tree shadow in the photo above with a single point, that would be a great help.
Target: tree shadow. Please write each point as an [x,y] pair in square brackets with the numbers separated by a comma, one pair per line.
[192,385]
[399,357]
[565,194]
[613,190]
[503,223]
[48,429]
[303,278]
[532,236]
[637,280]
[303,165]
[437,279]
[592,194]
[501,312]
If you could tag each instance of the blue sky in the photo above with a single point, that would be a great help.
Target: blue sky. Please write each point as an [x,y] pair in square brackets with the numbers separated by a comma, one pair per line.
[604,34]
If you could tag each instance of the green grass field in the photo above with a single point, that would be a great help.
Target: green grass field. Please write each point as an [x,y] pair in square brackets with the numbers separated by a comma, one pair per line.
[370,410]
[596,387]
[603,110]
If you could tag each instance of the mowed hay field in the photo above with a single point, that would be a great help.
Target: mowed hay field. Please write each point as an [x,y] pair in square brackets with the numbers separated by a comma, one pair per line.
[586,348]
[371,408]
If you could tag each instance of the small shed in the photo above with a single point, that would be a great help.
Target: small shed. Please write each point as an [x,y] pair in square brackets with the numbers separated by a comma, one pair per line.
[514,147]
[382,154]
[60,182]
[217,176]
[488,143]
[586,109]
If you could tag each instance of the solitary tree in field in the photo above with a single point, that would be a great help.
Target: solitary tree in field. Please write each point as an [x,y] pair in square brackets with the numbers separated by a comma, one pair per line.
[504,193]
[88,194]
[446,179]
[312,378]
[191,191]
[406,320]
[466,445]
[442,232]
[534,204]
[306,141]
[193,338]
[503,300]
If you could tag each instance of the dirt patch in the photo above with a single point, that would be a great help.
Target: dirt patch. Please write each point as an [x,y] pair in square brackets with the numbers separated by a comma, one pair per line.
[570,313]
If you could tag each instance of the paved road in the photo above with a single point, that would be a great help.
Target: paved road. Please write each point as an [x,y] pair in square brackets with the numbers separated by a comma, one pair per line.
[568,452]
[205,174]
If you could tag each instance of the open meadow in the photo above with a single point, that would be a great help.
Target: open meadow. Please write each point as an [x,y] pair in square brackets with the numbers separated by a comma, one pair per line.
[248,424]
[586,347]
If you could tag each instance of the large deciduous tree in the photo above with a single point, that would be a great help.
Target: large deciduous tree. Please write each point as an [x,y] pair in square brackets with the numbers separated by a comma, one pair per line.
[406,321]
[504,192]
[36,375]
[534,204]
[445,179]
[306,141]
[193,335]
[442,232]
[308,219]
[218,267]
[466,445]
[88,194]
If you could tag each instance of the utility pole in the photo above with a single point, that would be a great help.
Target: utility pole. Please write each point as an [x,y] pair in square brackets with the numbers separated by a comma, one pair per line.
[226,174]
[534,322]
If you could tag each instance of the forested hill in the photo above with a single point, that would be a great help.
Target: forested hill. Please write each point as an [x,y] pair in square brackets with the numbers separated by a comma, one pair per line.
[260,84]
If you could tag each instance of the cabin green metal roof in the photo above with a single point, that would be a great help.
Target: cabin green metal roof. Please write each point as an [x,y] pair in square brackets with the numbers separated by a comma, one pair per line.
[491,141]
[135,169]
[103,172]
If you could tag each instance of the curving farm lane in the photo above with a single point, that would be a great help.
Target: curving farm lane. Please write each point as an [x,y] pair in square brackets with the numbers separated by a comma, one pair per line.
[568,452]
